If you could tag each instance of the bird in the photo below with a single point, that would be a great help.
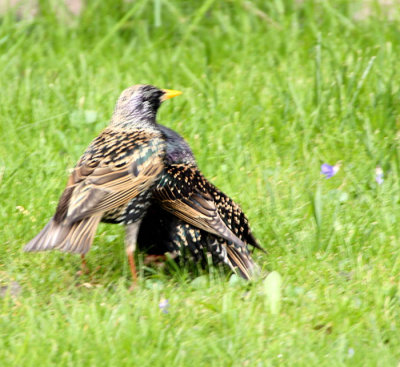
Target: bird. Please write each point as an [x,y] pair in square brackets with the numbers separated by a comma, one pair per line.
[113,180]
[190,216]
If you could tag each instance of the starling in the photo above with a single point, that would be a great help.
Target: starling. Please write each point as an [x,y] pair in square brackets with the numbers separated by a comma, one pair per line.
[190,215]
[113,180]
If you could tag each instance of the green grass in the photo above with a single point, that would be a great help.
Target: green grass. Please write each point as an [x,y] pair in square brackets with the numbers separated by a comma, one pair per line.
[270,93]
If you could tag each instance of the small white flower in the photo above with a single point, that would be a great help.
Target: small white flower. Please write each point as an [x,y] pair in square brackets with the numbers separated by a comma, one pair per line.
[163,305]
[379,175]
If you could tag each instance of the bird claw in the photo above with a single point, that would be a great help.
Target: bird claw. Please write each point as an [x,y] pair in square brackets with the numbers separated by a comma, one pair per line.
[154,259]
[82,272]
[132,287]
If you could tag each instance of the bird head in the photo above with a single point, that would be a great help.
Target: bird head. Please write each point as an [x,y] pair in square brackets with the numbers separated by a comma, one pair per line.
[140,103]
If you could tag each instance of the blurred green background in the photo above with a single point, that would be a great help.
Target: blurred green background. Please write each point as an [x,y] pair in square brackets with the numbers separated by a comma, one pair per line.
[271,91]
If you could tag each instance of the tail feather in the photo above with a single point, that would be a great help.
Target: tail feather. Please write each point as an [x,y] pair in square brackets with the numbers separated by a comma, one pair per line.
[241,262]
[76,237]
[48,237]
[80,236]
[252,241]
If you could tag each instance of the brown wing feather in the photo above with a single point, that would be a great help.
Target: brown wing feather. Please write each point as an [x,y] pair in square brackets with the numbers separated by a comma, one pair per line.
[100,183]
[186,196]
[80,235]
[116,167]
[233,217]
[75,238]
[241,261]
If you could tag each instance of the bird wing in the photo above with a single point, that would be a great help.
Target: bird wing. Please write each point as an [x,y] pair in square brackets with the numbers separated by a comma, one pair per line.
[116,167]
[233,217]
[183,191]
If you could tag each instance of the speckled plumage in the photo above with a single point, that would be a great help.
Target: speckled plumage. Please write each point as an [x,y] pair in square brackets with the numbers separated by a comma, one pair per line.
[114,178]
[190,214]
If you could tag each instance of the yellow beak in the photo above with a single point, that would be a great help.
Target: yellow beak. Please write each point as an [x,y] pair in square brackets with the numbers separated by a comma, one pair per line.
[170,93]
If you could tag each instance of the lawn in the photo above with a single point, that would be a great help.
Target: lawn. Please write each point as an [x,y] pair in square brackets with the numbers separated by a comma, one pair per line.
[272,90]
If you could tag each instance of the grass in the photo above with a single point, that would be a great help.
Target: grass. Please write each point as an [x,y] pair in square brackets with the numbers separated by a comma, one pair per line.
[271,91]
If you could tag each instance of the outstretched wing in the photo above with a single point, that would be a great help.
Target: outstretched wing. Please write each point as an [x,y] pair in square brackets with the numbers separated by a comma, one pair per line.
[183,191]
[233,217]
[116,167]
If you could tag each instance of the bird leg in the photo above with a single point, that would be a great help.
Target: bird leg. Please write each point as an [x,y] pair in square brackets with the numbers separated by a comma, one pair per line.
[132,267]
[84,267]
[130,247]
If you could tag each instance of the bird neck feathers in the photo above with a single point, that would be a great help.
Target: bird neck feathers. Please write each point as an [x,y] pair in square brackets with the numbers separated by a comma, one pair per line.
[142,115]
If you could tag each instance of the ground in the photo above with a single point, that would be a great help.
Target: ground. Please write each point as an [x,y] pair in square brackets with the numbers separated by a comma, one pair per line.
[272,90]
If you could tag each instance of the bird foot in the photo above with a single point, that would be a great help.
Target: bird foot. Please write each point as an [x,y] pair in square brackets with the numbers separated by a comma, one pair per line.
[154,259]
[83,271]
[86,271]
[133,287]
[84,268]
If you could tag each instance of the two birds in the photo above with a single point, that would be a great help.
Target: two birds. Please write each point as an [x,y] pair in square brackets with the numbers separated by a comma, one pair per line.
[144,175]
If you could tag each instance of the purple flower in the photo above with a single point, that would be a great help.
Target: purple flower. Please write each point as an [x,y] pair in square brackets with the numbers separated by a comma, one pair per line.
[328,170]
[163,305]
[379,175]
